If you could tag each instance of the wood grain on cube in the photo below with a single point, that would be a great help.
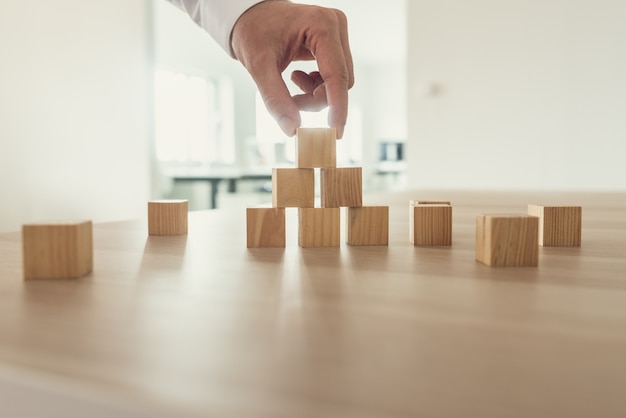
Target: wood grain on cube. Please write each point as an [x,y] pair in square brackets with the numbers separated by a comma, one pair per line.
[430,223]
[367,225]
[316,148]
[559,226]
[57,250]
[319,227]
[293,187]
[167,217]
[341,187]
[507,240]
[265,227]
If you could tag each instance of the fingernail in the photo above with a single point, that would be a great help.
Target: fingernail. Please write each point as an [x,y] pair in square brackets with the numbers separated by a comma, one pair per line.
[340,132]
[288,125]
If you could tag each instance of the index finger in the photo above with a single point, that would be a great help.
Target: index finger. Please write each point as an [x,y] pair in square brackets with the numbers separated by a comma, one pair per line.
[335,66]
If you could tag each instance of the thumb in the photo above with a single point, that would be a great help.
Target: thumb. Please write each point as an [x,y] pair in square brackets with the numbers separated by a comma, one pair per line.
[278,101]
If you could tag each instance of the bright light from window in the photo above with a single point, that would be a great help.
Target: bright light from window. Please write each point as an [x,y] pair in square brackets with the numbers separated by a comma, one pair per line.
[193,120]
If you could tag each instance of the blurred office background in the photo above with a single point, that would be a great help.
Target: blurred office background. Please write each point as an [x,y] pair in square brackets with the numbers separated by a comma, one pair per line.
[103,104]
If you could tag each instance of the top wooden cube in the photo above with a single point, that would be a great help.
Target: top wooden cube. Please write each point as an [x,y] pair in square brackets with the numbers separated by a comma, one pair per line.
[316,148]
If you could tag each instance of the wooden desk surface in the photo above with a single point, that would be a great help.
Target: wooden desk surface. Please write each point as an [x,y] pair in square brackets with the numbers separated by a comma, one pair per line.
[201,326]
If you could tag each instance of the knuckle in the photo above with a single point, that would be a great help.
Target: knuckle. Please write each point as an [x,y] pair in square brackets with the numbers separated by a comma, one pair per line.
[323,14]
[326,19]
[341,17]
[351,81]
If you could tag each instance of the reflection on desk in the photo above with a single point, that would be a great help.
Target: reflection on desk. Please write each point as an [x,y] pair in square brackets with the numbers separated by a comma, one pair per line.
[201,326]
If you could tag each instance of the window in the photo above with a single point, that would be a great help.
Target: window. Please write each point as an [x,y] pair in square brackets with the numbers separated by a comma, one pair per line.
[193,119]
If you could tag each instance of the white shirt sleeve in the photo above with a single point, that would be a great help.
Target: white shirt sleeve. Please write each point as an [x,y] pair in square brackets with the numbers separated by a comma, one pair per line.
[217,17]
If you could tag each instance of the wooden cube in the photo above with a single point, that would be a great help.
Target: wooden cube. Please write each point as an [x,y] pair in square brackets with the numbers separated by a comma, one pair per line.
[293,187]
[167,217]
[430,223]
[367,225]
[559,226]
[265,227]
[319,227]
[57,250]
[507,240]
[341,187]
[316,148]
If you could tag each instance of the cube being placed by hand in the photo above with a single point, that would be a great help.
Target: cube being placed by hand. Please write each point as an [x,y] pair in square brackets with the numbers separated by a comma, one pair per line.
[316,148]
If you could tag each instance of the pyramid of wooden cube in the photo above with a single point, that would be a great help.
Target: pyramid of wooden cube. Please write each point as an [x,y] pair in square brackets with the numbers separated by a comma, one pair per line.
[319,227]
[57,250]
[167,217]
[341,187]
[293,187]
[367,225]
[316,148]
[265,227]
[559,226]
[430,223]
[507,240]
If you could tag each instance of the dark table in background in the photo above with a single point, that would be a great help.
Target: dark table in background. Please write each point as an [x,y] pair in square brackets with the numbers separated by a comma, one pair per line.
[214,177]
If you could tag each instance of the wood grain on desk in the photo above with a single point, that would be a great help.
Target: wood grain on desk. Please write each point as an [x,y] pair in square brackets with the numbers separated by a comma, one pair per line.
[199,325]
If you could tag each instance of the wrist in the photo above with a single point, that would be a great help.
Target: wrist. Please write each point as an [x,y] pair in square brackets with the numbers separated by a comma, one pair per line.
[248,13]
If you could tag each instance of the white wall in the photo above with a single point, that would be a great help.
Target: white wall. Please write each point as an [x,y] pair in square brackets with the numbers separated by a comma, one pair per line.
[380,90]
[74,110]
[517,94]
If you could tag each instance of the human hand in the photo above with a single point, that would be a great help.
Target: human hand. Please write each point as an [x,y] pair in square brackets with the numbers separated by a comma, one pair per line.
[272,34]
